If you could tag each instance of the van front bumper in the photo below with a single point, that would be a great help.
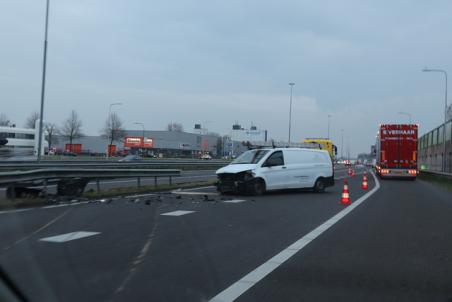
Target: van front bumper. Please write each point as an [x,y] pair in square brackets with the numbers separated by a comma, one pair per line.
[234,183]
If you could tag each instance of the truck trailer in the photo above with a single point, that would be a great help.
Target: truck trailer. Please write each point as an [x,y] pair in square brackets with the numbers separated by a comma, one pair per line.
[396,151]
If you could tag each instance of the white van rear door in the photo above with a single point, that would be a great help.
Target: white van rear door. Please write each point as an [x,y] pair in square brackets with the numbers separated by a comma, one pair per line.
[322,166]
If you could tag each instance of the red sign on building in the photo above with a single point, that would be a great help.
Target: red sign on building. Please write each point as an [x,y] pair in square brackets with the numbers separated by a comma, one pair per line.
[137,142]
[148,143]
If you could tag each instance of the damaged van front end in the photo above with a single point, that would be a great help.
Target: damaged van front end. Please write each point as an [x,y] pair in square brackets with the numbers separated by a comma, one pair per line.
[241,182]
[237,179]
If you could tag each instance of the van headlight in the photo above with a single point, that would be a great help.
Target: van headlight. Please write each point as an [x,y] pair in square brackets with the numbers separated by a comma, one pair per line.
[249,175]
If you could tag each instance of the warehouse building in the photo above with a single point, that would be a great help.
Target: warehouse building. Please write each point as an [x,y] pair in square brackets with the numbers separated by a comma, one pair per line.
[151,143]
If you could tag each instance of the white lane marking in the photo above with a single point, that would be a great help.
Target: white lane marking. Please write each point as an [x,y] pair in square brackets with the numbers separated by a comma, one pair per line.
[15,211]
[193,193]
[54,206]
[235,200]
[141,195]
[199,188]
[246,282]
[69,236]
[177,213]
[39,230]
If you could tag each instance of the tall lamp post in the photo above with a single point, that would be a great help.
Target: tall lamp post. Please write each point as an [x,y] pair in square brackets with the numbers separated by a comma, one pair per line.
[111,123]
[342,143]
[405,113]
[329,116]
[290,109]
[43,83]
[443,166]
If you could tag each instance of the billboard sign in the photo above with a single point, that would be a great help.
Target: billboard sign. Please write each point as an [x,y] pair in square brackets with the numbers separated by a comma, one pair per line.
[148,143]
[137,142]
[132,142]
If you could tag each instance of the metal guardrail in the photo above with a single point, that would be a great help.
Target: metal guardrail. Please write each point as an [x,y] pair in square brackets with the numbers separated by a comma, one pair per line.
[73,181]
[8,166]
[32,175]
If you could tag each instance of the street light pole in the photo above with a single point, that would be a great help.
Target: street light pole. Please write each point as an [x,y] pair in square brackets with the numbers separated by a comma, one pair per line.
[329,116]
[443,168]
[43,84]
[290,109]
[342,143]
[111,123]
[407,114]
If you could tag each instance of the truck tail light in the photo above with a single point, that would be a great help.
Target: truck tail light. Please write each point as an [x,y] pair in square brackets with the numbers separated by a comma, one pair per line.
[412,172]
[384,171]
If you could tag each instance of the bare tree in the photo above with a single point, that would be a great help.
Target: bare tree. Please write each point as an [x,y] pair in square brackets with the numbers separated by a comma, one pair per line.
[4,120]
[113,129]
[177,127]
[31,120]
[72,127]
[52,132]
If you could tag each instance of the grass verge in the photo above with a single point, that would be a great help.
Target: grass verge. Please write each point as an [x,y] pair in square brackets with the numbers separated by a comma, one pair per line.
[6,203]
[439,180]
[144,189]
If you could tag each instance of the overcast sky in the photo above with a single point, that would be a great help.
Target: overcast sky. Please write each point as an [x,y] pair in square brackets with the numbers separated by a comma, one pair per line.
[215,62]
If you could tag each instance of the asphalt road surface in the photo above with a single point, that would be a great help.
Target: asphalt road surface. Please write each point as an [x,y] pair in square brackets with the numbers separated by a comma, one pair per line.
[392,244]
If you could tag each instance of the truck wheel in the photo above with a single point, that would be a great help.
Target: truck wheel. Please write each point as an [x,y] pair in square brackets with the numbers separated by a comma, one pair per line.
[319,185]
[259,187]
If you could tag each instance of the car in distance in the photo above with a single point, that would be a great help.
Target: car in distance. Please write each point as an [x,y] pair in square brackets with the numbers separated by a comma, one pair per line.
[260,170]
[206,156]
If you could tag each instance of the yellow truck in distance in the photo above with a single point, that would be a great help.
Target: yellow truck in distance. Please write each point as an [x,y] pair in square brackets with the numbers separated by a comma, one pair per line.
[325,143]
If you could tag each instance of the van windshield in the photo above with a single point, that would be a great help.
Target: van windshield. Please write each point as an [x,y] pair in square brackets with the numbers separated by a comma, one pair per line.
[250,157]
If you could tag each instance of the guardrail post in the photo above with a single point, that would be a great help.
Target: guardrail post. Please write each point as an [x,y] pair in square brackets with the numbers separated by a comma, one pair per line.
[170,180]
[155,181]
[97,185]
[13,191]
[44,190]
[138,182]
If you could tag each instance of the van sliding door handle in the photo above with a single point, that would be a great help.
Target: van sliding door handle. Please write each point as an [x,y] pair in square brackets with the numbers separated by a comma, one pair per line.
[284,167]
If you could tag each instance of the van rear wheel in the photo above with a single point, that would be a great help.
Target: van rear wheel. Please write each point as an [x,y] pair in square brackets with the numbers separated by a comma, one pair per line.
[319,185]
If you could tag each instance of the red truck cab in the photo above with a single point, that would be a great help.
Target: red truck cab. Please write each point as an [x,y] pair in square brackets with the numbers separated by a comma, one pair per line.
[396,149]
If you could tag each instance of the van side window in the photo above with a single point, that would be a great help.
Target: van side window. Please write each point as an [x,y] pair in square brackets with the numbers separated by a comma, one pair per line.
[276,159]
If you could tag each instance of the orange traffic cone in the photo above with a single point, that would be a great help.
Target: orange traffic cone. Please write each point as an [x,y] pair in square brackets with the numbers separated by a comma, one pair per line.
[353,173]
[345,200]
[364,184]
[350,171]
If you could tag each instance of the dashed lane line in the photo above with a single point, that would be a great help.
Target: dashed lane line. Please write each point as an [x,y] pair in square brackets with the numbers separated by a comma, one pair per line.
[68,236]
[38,230]
[177,213]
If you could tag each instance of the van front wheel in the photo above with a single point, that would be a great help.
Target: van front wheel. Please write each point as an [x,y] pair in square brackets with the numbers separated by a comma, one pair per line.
[258,187]
[319,185]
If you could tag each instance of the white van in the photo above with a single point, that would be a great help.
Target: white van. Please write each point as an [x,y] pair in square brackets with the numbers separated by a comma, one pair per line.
[260,170]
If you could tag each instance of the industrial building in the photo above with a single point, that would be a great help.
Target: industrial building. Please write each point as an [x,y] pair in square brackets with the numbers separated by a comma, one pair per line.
[155,143]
